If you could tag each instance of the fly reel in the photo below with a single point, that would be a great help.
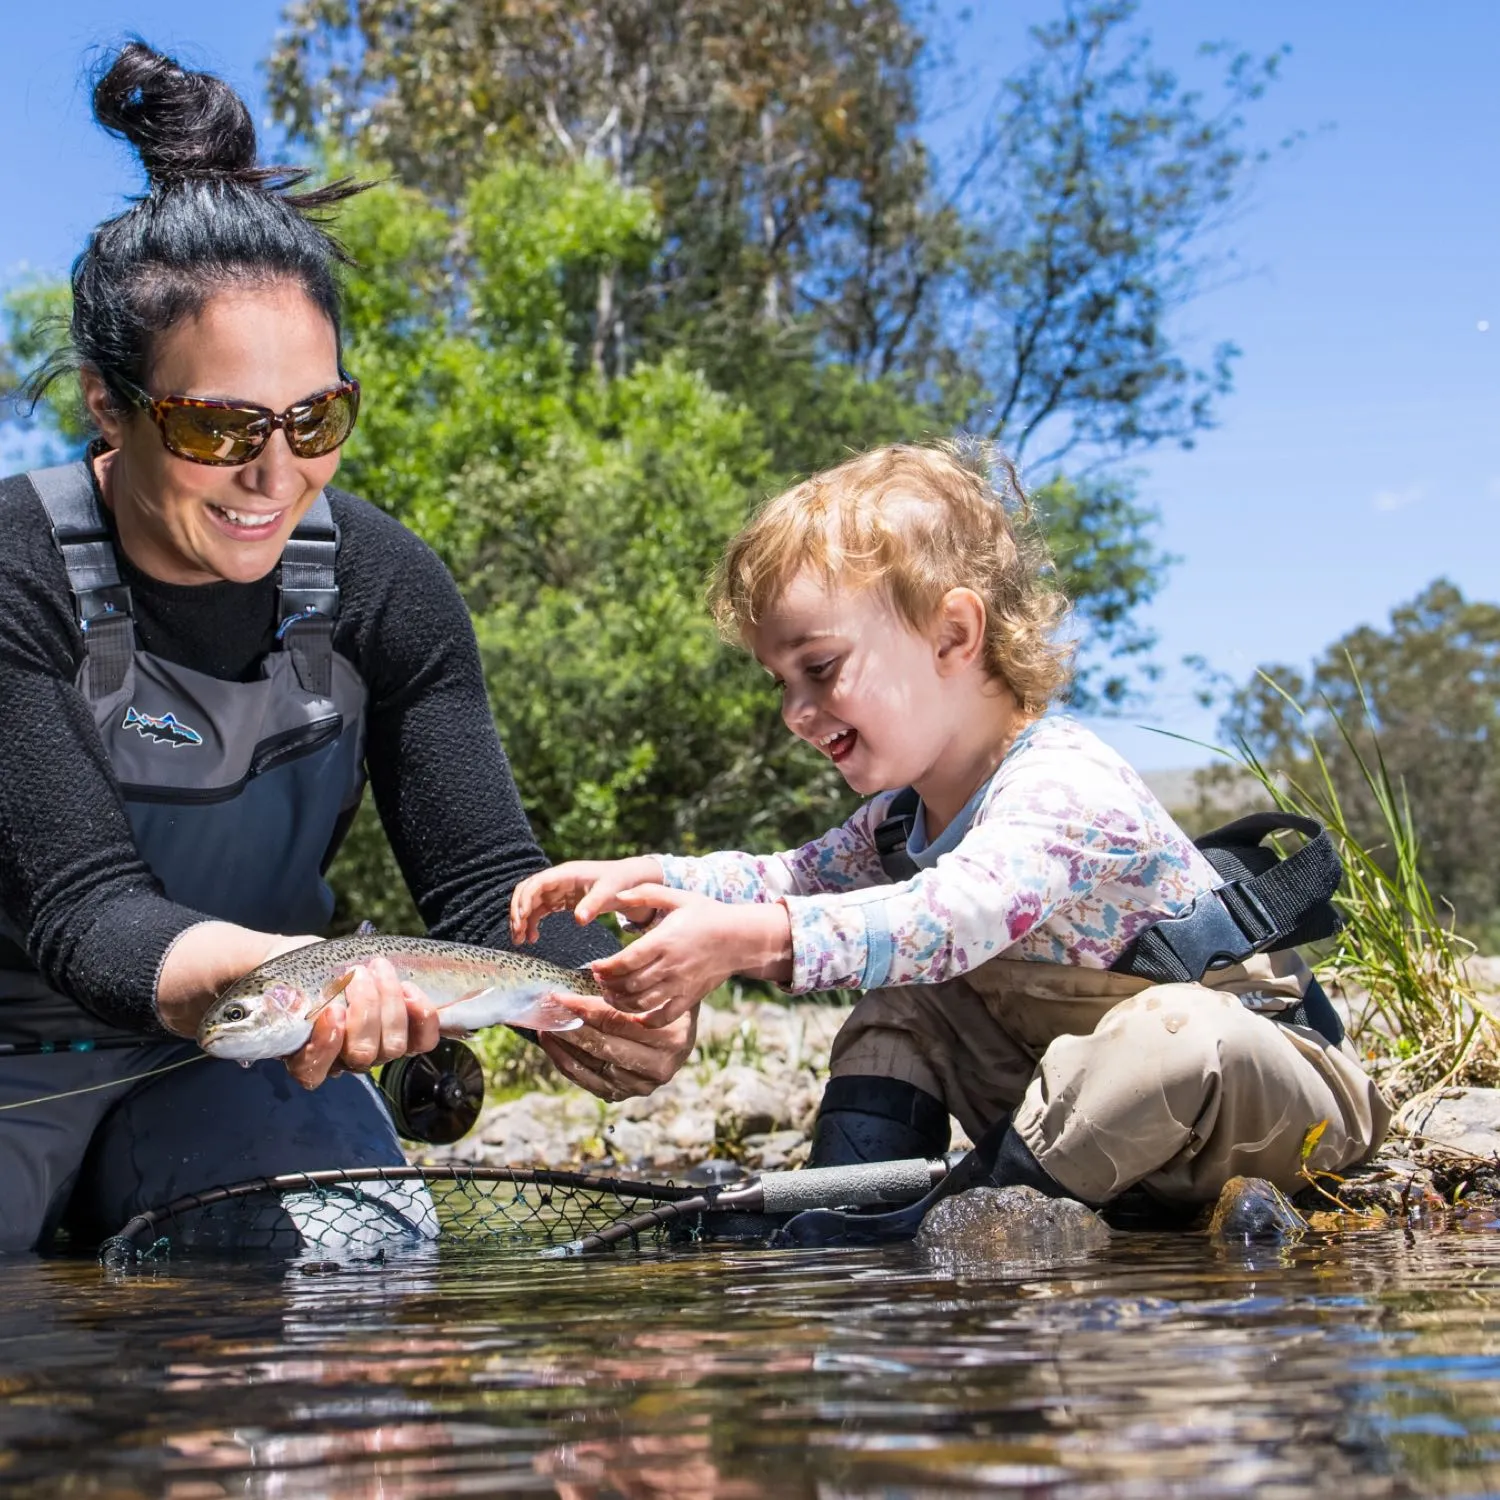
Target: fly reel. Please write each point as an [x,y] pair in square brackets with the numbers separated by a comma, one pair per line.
[434,1097]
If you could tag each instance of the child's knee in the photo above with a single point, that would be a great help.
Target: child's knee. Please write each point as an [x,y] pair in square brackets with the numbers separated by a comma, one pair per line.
[1186,1034]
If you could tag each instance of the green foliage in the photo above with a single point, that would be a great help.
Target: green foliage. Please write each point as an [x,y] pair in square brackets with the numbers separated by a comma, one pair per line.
[582,513]
[33,324]
[1426,692]
[1100,537]
[1104,175]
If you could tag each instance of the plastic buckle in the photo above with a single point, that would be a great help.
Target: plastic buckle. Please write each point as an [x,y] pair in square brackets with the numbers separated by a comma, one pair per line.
[112,601]
[297,602]
[1257,924]
[1206,936]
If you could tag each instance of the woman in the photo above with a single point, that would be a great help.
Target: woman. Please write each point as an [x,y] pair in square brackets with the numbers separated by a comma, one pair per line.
[204,652]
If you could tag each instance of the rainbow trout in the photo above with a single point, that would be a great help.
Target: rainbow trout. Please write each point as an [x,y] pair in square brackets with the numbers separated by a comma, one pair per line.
[270,1011]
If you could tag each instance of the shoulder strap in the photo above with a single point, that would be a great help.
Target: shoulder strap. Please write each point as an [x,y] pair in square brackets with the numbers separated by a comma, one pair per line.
[88,551]
[1266,903]
[892,833]
[308,597]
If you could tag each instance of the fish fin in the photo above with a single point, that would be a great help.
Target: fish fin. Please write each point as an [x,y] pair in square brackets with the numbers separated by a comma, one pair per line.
[366,929]
[331,991]
[473,994]
[545,1014]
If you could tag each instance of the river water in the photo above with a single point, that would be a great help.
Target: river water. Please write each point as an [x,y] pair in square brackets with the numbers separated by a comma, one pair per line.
[1361,1366]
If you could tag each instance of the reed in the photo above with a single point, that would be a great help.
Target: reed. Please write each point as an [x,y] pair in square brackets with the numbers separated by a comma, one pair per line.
[1399,962]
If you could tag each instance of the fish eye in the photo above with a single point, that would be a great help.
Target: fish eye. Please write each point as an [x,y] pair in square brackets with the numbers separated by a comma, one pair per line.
[234,1013]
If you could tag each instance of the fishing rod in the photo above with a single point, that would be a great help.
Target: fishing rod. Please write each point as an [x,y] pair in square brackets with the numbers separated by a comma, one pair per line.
[76,1044]
[81,1046]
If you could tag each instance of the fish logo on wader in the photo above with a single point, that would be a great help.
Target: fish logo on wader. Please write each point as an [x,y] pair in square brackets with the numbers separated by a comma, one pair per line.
[163,731]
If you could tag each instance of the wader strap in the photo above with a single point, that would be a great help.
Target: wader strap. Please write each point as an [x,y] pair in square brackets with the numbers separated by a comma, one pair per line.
[88,552]
[308,597]
[892,833]
[1265,905]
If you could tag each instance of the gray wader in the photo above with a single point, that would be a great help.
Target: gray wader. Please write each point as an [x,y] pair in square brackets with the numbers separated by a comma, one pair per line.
[238,794]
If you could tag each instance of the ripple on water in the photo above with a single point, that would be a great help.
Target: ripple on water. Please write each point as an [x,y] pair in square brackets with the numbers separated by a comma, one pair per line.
[1365,1366]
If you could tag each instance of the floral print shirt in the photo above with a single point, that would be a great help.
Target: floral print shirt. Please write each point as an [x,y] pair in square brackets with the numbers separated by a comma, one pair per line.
[1061,857]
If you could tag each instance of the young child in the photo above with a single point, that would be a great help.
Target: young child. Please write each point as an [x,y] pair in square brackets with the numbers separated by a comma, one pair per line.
[910,623]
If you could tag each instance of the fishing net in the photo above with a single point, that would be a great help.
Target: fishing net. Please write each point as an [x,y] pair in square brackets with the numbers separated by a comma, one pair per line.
[369,1211]
[372,1209]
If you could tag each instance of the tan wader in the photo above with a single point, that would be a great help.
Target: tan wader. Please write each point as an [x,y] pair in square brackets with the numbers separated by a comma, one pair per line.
[1115,1081]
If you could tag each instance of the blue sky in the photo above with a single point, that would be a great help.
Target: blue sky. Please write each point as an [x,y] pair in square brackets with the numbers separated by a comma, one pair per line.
[1359,455]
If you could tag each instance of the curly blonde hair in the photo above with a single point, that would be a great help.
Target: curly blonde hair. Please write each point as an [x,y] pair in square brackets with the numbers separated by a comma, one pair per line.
[915,520]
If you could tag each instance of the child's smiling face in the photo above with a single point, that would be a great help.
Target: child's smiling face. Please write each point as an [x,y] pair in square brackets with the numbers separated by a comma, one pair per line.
[858,683]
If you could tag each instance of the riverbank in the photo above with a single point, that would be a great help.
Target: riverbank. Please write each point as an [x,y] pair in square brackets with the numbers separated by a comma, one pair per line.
[750,1092]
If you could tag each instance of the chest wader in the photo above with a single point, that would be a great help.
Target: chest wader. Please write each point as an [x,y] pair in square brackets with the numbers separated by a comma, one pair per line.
[238,795]
[1266,904]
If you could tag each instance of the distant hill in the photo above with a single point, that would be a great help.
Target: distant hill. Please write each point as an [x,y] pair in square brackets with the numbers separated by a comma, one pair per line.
[1198,808]
[1174,788]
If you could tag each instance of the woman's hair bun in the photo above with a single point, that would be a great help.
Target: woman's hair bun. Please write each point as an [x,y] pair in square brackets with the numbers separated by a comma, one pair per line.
[183,124]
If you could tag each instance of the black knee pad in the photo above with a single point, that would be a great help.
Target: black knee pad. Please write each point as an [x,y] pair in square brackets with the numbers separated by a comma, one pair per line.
[869,1118]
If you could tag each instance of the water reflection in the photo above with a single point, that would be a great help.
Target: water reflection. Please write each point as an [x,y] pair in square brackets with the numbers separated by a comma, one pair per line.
[1368,1365]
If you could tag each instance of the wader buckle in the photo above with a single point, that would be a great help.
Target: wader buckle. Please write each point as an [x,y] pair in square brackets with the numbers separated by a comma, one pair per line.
[1222,927]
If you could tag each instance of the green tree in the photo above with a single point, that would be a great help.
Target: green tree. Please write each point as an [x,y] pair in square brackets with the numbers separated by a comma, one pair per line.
[813,260]
[1103,176]
[581,513]
[1429,686]
[803,220]
[33,324]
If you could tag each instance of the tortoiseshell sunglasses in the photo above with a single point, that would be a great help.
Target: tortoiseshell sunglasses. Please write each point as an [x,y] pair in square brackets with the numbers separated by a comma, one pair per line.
[227,433]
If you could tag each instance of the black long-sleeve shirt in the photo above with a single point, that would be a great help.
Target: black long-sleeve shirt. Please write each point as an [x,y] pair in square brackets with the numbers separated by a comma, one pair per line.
[88,911]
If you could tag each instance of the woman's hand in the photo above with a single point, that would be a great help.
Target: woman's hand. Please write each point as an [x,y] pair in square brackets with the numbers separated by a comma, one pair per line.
[585,887]
[374,1021]
[692,950]
[615,1057]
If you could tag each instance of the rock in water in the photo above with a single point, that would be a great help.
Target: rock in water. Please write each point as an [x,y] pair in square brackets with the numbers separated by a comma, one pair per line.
[1251,1210]
[997,1225]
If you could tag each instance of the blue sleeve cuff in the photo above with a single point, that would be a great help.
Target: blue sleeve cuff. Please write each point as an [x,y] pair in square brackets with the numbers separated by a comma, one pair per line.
[879,949]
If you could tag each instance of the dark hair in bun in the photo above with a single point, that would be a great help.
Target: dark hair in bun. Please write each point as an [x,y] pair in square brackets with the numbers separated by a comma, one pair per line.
[212,218]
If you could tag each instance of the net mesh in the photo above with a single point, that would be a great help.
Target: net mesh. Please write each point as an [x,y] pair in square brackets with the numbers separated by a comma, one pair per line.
[369,1210]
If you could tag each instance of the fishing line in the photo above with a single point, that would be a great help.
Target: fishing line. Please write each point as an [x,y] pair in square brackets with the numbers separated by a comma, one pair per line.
[112,1083]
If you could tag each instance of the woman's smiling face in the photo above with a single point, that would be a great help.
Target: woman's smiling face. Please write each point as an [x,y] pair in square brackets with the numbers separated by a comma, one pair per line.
[858,683]
[183,522]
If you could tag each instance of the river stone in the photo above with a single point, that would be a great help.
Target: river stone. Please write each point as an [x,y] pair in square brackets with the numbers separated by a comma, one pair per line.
[1011,1224]
[1250,1208]
[776,1151]
[714,1173]
[748,1104]
[1465,1120]
[629,1141]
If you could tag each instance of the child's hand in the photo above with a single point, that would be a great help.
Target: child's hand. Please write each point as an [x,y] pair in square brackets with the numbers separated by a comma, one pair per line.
[584,886]
[695,947]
